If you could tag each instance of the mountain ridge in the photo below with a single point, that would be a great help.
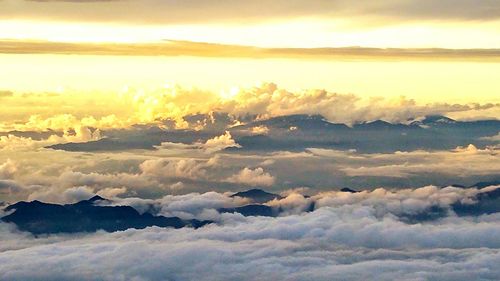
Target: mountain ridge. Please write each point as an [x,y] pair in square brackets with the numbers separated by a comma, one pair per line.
[84,216]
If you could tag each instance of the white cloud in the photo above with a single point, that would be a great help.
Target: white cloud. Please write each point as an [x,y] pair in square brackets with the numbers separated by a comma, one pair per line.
[260,130]
[460,162]
[219,143]
[347,240]
[80,134]
[8,169]
[495,138]
[111,193]
[252,177]
[184,168]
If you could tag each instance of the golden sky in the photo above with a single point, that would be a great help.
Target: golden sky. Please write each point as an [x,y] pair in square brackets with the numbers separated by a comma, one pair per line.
[83,54]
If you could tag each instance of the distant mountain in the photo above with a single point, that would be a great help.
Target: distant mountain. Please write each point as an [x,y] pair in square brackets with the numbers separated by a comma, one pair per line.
[382,125]
[484,184]
[44,218]
[296,121]
[346,189]
[257,195]
[434,119]
[252,210]
[301,131]
[486,203]
[298,132]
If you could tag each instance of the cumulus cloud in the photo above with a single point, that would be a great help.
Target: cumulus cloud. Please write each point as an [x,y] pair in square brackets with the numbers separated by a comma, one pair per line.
[260,130]
[184,168]
[76,194]
[269,100]
[80,134]
[212,145]
[220,143]
[183,107]
[111,192]
[46,174]
[8,169]
[253,177]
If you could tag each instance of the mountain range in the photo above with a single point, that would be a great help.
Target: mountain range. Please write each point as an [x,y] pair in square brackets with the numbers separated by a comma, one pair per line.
[86,216]
[96,214]
[298,132]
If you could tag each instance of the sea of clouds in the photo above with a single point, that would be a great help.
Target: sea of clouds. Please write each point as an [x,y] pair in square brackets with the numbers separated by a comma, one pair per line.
[348,236]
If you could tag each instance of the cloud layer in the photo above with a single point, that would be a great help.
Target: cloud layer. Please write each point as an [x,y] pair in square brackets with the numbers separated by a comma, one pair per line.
[174,106]
[355,236]
[157,11]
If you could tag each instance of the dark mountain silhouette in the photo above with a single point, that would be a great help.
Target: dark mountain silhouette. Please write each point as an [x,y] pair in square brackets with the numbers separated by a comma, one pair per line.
[252,210]
[300,121]
[44,218]
[486,203]
[257,195]
[346,189]
[433,120]
[484,184]
[301,131]
[382,125]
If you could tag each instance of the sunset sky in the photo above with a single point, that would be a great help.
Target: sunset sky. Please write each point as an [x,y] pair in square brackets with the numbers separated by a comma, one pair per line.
[97,48]
[282,139]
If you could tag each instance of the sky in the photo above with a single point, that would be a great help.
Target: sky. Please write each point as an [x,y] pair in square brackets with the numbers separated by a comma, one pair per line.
[421,50]
[172,106]
[83,46]
[115,84]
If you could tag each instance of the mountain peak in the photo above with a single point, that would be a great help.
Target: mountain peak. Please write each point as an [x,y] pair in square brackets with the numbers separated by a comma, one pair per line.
[44,218]
[96,198]
[346,189]
[257,195]
[437,119]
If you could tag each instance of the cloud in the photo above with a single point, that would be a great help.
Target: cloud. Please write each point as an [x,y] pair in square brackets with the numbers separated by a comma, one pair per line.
[76,194]
[79,134]
[252,177]
[184,168]
[220,143]
[201,49]
[462,162]
[212,145]
[260,130]
[495,138]
[9,189]
[171,12]
[4,94]
[112,192]
[349,239]
[46,174]
[8,169]
[177,107]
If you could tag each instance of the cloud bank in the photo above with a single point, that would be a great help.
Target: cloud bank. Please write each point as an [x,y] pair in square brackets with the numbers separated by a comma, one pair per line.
[174,106]
[352,236]
[201,49]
